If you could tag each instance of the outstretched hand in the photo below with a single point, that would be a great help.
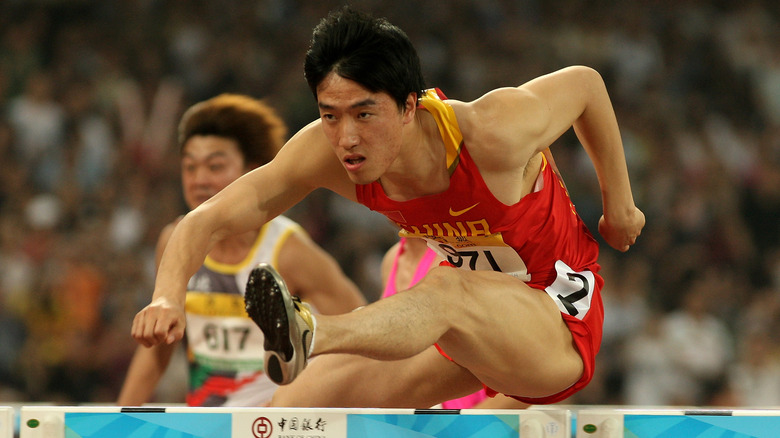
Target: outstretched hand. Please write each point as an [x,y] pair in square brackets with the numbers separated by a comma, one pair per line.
[159,322]
[621,233]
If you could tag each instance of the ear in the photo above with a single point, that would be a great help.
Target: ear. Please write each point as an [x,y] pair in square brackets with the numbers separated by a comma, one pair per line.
[410,107]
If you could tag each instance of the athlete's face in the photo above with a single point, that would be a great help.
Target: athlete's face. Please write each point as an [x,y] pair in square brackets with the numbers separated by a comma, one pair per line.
[208,164]
[364,128]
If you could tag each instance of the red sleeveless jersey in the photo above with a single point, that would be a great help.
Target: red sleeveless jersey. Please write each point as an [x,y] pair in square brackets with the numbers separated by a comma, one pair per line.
[468,226]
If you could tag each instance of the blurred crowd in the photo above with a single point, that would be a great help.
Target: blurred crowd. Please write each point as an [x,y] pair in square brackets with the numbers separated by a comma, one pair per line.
[91,92]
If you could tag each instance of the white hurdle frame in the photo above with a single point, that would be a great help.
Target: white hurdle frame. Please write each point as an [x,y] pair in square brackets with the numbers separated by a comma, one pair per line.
[52,422]
[7,422]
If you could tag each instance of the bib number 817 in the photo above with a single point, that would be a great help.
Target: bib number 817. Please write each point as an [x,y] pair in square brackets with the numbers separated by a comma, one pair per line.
[223,338]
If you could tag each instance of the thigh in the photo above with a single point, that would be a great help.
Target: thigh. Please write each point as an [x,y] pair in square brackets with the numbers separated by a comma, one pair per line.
[510,336]
[344,380]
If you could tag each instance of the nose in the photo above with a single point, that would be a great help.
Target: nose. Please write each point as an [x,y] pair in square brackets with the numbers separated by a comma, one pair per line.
[348,135]
[198,176]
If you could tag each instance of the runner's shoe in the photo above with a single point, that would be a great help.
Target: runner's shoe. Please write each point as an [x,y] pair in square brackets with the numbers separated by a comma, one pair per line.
[286,322]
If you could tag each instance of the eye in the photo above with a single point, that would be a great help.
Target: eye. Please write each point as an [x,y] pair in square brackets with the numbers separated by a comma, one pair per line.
[364,115]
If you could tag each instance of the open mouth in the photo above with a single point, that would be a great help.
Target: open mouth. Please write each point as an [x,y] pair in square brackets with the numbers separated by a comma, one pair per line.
[352,162]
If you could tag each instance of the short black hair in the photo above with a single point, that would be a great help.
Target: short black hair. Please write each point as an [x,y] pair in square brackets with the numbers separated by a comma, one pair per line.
[259,132]
[370,51]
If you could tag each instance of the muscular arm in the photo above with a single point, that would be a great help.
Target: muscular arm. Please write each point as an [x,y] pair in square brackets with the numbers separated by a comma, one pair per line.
[518,123]
[597,129]
[306,162]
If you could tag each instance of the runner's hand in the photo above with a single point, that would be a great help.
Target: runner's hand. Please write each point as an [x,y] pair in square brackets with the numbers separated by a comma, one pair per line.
[159,322]
[620,233]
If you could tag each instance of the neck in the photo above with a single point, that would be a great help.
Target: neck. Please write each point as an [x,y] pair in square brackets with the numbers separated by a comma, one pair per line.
[420,169]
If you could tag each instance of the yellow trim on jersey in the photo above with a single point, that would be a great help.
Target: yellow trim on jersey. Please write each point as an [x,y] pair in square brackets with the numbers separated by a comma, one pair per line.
[233,269]
[448,126]
[215,304]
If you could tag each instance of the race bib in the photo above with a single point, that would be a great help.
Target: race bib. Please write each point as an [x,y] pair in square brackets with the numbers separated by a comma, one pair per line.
[572,291]
[220,335]
[480,253]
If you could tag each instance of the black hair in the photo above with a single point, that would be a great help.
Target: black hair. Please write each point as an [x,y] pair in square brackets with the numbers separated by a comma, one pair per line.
[370,51]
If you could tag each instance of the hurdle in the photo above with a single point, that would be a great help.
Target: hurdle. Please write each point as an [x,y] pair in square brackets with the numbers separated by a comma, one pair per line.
[6,422]
[677,423]
[192,422]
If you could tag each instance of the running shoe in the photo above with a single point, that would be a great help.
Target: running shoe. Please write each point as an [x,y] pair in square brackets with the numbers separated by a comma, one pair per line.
[286,322]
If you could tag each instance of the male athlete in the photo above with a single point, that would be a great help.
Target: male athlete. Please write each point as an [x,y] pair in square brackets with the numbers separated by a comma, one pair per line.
[517,309]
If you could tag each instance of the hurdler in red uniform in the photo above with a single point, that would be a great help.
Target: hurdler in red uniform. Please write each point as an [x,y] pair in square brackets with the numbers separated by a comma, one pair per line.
[540,239]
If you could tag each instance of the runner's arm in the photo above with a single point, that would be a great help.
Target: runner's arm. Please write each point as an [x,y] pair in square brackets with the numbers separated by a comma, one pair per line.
[306,162]
[577,97]
[146,369]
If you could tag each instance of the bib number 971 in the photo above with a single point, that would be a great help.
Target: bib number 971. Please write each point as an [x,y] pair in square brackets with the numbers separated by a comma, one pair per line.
[498,258]
[456,258]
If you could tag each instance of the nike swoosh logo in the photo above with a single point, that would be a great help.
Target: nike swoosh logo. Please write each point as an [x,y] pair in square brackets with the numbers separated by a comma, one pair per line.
[460,212]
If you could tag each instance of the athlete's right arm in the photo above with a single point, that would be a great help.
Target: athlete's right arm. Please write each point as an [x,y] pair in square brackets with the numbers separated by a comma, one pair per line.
[305,163]
[148,364]
[146,369]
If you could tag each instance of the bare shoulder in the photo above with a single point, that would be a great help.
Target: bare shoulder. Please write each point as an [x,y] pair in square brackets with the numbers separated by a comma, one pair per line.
[500,109]
[512,124]
[502,126]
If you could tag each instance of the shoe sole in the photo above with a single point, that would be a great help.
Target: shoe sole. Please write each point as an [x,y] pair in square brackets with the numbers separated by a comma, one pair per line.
[269,304]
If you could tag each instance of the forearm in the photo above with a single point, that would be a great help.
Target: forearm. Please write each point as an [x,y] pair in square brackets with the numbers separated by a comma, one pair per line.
[597,129]
[145,371]
[182,257]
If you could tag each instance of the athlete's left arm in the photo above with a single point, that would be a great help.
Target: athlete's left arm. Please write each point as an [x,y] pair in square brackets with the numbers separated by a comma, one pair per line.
[316,277]
[578,96]
[529,118]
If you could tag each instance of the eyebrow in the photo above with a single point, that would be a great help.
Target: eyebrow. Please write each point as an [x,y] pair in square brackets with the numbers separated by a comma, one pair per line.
[362,103]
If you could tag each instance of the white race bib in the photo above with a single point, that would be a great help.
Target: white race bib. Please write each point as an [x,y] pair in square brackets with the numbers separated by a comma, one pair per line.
[221,335]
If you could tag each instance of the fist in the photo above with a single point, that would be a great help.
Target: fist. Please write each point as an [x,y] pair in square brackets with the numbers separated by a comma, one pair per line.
[159,322]
[620,233]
